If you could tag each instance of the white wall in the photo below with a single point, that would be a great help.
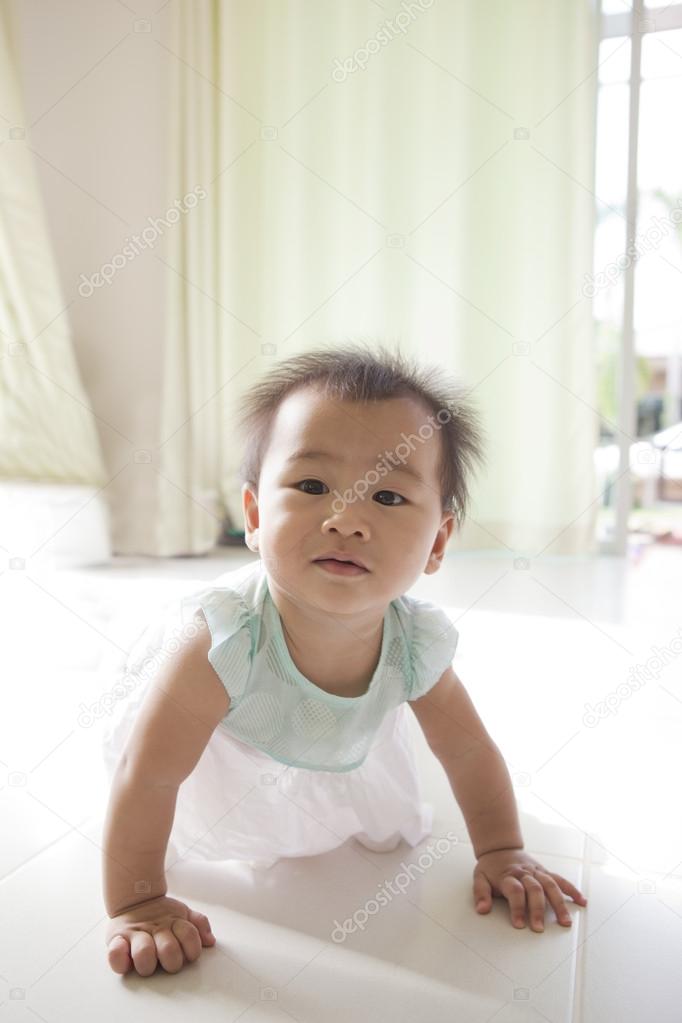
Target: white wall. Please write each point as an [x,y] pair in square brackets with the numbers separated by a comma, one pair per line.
[95,90]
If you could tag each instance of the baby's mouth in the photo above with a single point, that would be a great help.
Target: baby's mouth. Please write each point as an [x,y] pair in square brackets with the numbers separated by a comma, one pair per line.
[339,567]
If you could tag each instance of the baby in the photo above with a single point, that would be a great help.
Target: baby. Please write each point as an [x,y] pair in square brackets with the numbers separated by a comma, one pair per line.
[357,468]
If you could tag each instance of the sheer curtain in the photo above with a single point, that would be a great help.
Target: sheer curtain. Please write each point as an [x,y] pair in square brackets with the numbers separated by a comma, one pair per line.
[47,429]
[420,174]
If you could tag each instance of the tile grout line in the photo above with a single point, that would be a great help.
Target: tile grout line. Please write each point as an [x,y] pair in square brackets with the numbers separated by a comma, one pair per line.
[578,985]
[38,852]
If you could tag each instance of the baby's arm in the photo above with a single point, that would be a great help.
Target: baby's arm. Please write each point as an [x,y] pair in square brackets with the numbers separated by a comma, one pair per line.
[175,721]
[473,763]
[483,788]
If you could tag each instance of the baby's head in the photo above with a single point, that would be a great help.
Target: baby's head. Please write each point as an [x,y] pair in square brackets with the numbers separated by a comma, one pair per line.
[355,451]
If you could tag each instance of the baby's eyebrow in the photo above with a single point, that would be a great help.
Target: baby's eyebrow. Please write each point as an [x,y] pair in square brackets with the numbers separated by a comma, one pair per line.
[301,453]
[311,454]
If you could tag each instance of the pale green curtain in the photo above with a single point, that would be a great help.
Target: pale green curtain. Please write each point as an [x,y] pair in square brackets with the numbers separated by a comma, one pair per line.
[47,429]
[420,174]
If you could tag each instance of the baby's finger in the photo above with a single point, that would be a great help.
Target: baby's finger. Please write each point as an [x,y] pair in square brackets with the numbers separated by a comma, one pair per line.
[189,939]
[515,894]
[570,889]
[119,954]
[143,952]
[201,922]
[169,949]
[555,898]
[536,902]
[482,893]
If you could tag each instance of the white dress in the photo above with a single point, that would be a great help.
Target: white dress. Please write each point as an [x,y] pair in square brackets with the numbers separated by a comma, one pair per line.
[241,804]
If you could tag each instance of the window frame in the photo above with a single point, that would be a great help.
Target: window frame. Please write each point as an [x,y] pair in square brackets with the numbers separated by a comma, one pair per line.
[635,24]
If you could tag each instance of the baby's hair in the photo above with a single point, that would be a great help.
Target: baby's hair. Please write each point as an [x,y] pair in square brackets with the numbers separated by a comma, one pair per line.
[363,374]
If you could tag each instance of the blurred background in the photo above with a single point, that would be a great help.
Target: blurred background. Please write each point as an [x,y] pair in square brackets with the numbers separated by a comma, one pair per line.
[193,192]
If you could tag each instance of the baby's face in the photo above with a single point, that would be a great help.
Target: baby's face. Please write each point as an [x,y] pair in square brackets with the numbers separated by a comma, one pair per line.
[366,491]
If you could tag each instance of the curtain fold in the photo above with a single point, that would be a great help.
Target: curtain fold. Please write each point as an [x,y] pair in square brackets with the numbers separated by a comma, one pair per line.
[420,175]
[47,428]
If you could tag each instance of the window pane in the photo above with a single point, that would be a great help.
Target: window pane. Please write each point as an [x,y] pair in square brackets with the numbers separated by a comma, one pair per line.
[609,248]
[658,282]
[658,270]
[615,7]
[606,456]
[659,159]
[657,484]
[662,54]
[612,144]
[614,60]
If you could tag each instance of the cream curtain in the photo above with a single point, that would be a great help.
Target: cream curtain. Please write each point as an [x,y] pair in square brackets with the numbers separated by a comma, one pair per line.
[418,173]
[47,429]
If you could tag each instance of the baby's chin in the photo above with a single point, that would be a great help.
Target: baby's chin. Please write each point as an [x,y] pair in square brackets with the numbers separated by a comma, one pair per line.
[319,589]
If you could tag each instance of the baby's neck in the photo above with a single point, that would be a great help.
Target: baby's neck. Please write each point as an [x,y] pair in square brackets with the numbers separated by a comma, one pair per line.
[338,653]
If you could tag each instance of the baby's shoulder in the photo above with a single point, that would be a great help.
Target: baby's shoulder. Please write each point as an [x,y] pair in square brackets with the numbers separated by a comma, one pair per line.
[229,609]
[229,603]
[430,638]
[416,613]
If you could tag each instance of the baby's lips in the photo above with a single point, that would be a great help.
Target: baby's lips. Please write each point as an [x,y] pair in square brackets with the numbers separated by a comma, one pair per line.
[341,556]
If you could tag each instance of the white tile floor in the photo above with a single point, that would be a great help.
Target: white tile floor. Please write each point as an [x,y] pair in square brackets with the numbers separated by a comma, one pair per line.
[599,801]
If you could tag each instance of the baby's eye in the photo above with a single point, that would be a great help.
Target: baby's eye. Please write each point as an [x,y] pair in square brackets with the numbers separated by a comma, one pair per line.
[394,503]
[401,499]
[319,483]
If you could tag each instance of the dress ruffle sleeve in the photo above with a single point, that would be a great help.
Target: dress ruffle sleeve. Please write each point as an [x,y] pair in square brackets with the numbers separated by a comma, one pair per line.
[432,647]
[232,636]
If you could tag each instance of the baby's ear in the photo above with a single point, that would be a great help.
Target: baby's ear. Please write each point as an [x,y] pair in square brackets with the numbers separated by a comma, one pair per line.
[440,543]
[250,509]
[433,564]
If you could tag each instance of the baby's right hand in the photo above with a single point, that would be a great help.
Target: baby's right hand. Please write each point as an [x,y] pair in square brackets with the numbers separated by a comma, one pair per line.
[163,930]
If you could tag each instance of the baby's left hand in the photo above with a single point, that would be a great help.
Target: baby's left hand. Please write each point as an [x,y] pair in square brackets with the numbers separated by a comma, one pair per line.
[519,878]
